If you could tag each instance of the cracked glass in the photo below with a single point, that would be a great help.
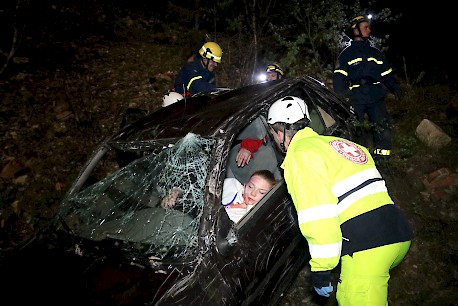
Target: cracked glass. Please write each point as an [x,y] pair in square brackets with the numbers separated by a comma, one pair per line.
[148,194]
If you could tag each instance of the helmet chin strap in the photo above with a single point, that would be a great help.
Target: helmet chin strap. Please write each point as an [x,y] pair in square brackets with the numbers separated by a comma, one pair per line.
[282,144]
[275,135]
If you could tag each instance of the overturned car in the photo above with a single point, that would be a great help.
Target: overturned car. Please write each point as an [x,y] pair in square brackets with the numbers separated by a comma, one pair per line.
[112,242]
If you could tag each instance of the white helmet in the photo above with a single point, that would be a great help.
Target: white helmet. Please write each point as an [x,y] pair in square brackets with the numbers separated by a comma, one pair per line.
[171,98]
[288,109]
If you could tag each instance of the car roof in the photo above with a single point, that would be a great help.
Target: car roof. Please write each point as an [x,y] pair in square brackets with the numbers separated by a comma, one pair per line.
[206,114]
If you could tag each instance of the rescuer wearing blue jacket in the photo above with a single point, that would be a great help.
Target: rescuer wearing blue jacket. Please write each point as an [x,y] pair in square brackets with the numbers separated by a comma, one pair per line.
[197,75]
[343,207]
[362,75]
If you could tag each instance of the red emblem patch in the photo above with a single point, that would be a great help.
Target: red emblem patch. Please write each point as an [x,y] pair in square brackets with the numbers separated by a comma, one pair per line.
[349,150]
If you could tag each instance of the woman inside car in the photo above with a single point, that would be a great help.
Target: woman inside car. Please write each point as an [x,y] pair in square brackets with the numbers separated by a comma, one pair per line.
[238,199]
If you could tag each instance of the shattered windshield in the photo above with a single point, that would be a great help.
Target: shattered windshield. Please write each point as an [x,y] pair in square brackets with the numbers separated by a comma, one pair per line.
[156,200]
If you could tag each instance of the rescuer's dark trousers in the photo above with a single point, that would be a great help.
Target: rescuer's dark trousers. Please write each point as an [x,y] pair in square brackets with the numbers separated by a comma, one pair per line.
[375,130]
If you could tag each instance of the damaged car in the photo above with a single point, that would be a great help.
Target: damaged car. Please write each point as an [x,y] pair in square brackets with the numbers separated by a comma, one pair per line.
[112,242]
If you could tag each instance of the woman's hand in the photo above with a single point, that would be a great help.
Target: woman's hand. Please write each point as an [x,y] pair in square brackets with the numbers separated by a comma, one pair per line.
[243,157]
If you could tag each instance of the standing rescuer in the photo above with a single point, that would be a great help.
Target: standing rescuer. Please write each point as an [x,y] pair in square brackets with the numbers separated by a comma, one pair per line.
[343,207]
[362,75]
[197,75]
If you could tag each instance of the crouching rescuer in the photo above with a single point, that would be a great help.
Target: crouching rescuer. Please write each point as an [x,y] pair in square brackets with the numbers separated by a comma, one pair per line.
[344,210]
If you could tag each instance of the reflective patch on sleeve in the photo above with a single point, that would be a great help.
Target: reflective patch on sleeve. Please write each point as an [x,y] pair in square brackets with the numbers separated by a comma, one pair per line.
[386,72]
[192,80]
[341,71]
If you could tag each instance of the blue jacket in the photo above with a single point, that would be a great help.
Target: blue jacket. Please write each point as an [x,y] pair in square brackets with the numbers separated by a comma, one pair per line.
[363,73]
[194,78]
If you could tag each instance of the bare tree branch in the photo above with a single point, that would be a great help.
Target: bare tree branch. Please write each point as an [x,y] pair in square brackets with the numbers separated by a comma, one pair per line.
[16,41]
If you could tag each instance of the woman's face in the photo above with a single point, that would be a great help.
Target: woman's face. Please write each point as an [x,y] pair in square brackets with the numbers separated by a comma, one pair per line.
[255,189]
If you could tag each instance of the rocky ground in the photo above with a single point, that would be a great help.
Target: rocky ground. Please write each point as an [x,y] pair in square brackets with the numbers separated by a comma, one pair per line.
[54,115]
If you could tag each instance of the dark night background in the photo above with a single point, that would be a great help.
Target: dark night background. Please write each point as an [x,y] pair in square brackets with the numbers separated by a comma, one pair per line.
[424,35]
[80,64]
[421,37]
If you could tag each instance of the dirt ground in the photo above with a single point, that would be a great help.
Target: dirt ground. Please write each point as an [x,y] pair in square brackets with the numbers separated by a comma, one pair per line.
[53,116]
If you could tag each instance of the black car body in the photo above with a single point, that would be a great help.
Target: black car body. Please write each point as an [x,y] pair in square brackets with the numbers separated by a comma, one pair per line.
[110,244]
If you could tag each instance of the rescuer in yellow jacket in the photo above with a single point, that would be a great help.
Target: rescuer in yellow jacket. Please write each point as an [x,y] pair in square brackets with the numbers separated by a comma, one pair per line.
[343,207]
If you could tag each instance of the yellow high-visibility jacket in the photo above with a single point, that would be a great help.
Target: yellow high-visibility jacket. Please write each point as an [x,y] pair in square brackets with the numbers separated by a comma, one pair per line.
[342,202]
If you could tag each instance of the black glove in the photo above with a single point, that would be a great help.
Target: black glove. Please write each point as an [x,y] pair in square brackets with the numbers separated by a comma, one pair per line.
[321,282]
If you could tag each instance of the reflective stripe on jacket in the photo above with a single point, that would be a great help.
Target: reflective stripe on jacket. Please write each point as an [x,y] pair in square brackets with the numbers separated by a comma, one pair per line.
[338,193]
[360,72]
[194,78]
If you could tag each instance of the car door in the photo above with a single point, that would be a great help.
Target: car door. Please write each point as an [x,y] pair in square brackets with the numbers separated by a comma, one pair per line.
[264,250]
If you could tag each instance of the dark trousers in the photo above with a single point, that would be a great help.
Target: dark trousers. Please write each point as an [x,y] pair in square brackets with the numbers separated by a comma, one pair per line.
[375,130]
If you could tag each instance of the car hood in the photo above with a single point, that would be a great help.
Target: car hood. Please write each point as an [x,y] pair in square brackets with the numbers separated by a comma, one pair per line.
[210,114]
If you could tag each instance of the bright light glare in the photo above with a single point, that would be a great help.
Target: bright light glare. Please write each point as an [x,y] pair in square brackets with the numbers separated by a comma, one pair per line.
[262,77]
[370,16]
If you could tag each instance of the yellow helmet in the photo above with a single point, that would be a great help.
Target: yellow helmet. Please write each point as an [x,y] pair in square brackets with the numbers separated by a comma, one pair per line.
[355,21]
[274,68]
[354,24]
[212,51]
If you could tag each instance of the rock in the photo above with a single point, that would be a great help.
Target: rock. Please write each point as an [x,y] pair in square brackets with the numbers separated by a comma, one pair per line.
[441,184]
[432,135]
[10,169]
[436,176]
[21,179]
